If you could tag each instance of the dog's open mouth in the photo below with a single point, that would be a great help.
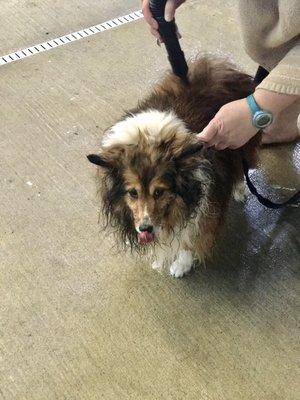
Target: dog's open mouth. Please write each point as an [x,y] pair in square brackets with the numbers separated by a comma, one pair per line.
[145,238]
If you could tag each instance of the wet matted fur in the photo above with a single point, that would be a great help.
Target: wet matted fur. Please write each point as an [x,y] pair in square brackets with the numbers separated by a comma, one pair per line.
[154,173]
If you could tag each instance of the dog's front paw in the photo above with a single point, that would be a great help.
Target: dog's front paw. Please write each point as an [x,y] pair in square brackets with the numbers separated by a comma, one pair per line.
[182,265]
[178,270]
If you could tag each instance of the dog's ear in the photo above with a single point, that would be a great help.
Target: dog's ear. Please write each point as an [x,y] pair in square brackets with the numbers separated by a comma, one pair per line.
[108,158]
[191,150]
[187,184]
[98,160]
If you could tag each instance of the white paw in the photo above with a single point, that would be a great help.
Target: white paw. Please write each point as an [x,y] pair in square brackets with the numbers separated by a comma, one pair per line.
[178,270]
[182,265]
[239,193]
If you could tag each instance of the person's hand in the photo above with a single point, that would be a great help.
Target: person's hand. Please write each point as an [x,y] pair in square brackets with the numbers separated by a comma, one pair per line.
[232,125]
[230,128]
[170,9]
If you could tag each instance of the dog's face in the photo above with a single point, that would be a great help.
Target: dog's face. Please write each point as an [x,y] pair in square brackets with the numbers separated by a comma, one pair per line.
[149,203]
[150,182]
[151,194]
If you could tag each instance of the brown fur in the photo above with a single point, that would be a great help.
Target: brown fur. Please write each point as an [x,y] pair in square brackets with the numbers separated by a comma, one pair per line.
[169,165]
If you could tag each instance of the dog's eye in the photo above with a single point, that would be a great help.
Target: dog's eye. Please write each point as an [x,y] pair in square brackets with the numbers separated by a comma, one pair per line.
[158,193]
[133,193]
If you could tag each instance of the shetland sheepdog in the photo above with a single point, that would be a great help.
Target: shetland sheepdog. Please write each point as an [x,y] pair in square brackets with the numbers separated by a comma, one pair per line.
[161,189]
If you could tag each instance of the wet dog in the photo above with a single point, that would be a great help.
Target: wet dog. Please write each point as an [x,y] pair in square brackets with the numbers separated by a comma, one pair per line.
[163,191]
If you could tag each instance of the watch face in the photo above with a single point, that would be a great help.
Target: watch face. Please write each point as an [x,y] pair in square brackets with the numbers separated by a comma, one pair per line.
[262,119]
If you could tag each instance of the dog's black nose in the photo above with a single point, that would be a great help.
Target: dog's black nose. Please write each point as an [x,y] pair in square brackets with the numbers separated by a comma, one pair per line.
[146,228]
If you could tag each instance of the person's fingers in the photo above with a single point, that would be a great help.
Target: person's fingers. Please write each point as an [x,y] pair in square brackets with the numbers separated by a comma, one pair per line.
[170,9]
[208,133]
[212,143]
[148,16]
[235,146]
[156,34]
[221,146]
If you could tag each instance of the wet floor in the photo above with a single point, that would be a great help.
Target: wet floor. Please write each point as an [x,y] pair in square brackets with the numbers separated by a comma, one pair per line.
[80,321]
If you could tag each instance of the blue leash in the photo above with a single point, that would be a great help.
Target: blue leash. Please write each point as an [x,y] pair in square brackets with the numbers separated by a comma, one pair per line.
[179,66]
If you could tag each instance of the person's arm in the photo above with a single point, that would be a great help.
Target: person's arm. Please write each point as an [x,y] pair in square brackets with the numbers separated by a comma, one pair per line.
[273,101]
[232,125]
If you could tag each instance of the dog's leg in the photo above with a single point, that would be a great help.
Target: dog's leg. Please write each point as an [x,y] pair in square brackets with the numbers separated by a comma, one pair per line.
[239,193]
[182,265]
[160,257]
[206,237]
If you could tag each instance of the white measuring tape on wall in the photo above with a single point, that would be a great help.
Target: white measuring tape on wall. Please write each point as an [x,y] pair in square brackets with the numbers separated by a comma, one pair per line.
[71,37]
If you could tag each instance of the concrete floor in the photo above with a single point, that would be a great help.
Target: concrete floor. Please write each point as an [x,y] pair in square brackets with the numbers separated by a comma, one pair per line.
[28,22]
[81,322]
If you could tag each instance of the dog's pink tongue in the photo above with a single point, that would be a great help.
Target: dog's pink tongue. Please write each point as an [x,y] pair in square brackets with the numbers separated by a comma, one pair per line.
[145,237]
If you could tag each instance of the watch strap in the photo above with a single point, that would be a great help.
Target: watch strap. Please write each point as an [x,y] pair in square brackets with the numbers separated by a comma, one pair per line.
[254,107]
